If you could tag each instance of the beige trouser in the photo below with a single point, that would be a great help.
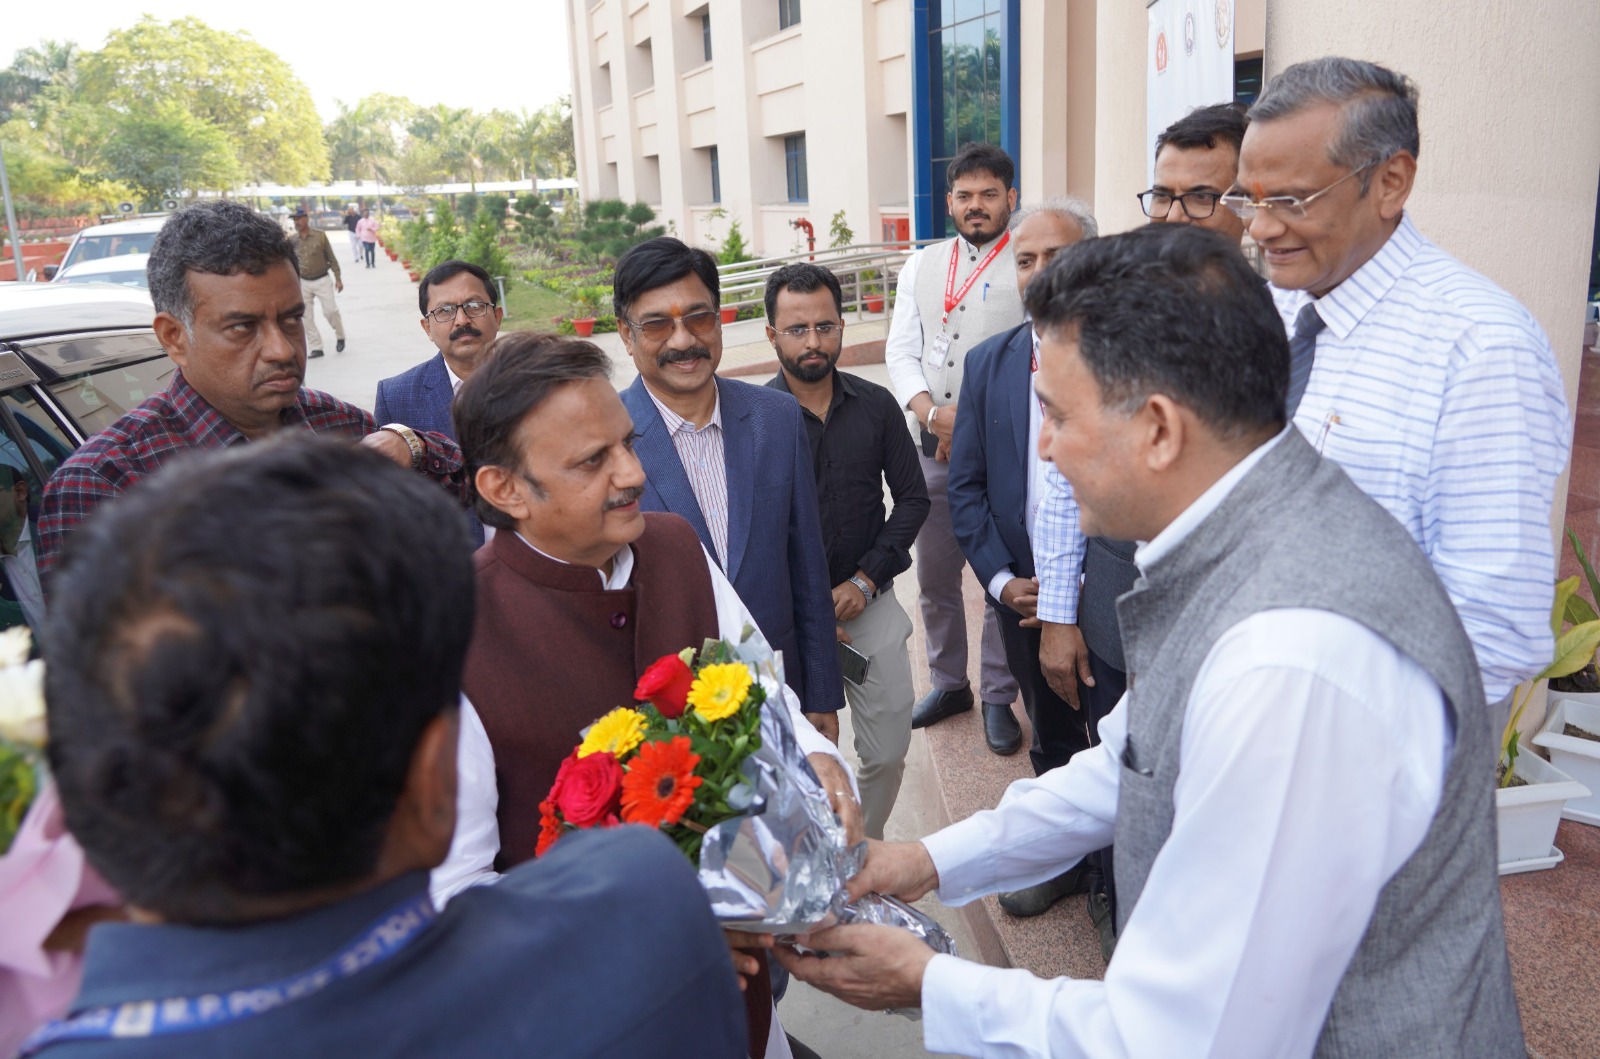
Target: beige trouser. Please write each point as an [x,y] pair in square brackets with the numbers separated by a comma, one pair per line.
[880,709]
[313,290]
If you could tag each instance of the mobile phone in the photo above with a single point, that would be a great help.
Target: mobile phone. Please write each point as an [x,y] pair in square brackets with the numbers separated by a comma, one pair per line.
[930,444]
[853,663]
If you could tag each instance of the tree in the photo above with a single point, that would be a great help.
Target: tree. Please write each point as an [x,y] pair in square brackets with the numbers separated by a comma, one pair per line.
[225,80]
[364,140]
[33,70]
[161,154]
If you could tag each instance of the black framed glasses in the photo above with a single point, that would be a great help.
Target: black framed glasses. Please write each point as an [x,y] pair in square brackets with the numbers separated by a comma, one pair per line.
[447,312]
[1196,205]
[1286,205]
[824,331]
[660,328]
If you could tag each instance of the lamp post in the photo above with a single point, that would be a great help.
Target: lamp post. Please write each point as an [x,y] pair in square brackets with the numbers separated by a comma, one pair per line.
[11,215]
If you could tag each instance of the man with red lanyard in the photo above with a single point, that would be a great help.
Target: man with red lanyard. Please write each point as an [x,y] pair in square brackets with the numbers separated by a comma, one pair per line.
[951,296]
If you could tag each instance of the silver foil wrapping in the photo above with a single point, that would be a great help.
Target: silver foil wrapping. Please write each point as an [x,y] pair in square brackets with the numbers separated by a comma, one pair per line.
[782,867]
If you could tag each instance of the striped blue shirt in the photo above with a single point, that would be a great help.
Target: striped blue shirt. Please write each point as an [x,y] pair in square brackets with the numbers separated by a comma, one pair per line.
[1439,395]
[1058,547]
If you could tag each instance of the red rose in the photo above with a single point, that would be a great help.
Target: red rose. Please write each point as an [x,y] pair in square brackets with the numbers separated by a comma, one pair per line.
[665,685]
[587,790]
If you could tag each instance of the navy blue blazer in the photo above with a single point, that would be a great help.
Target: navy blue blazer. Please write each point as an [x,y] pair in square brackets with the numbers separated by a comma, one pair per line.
[775,558]
[603,947]
[420,397]
[989,456]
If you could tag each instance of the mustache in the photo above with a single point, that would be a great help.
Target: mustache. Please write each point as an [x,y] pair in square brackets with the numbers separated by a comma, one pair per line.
[297,376]
[977,215]
[628,496]
[677,356]
[463,331]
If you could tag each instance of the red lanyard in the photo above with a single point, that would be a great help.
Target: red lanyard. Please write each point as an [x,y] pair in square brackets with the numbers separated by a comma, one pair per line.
[952,297]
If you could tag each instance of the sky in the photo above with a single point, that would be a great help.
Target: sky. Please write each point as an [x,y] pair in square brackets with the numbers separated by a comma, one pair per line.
[479,55]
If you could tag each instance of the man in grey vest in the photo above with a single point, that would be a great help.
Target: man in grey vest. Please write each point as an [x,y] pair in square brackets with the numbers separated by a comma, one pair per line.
[951,296]
[1299,779]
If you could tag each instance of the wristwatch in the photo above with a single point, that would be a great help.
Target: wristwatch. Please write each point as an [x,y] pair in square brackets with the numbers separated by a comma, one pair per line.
[408,436]
[866,590]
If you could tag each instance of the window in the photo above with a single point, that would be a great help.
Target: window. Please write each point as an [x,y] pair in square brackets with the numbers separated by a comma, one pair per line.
[794,166]
[705,34]
[788,13]
[716,176]
[964,82]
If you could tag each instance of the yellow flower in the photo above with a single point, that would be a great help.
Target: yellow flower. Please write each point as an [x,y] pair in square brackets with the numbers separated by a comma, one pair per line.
[720,690]
[617,733]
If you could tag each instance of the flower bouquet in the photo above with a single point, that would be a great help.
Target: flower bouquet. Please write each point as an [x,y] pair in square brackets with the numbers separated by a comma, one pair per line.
[702,760]
[21,730]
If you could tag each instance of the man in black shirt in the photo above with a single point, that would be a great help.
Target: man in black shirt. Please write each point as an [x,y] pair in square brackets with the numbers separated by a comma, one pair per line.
[858,441]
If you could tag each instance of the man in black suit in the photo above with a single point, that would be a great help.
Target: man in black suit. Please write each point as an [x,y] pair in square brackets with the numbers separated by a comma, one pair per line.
[996,485]
[255,742]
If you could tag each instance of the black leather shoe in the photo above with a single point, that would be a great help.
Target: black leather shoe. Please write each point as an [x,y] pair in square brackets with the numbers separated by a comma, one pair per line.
[936,705]
[1104,923]
[1000,729]
[1035,900]
[339,348]
[315,353]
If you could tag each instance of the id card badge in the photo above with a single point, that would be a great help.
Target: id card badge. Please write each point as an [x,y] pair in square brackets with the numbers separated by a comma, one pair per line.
[939,352]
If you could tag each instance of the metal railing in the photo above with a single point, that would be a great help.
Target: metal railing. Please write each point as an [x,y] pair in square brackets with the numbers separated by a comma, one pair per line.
[867,273]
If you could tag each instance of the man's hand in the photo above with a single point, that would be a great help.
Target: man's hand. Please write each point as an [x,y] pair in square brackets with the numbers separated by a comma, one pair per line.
[901,869]
[840,635]
[869,965]
[837,784]
[1065,660]
[942,452]
[391,445]
[943,425]
[827,724]
[338,285]
[745,965]
[848,602]
[1021,594]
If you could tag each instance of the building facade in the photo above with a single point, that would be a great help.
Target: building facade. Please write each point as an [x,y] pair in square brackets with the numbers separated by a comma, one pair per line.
[760,112]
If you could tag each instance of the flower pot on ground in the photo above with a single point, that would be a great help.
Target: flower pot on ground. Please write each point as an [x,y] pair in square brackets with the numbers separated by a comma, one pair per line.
[415,277]
[729,314]
[1571,736]
[1529,814]
[584,327]
[874,303]
[585,300]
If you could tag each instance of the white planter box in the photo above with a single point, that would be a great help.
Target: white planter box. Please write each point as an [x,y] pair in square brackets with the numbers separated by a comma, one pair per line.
[1528,815]
[1578,758]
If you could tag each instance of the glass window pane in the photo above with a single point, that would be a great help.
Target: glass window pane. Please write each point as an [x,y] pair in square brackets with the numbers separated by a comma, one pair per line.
[966,9]
[97,400]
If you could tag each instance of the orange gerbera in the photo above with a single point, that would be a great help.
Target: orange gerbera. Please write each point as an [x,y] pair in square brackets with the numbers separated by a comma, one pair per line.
[660,784]
[550,828]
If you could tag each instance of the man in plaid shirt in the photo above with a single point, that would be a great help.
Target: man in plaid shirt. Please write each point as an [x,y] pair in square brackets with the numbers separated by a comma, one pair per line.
[226,288]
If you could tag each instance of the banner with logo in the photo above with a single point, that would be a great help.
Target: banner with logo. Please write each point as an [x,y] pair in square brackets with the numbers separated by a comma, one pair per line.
[1188,63]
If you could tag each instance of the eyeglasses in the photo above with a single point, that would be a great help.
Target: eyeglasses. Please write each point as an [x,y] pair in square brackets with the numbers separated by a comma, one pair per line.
[1285,205]
[660,328]
[445,313]
[799,331]
[1197,205]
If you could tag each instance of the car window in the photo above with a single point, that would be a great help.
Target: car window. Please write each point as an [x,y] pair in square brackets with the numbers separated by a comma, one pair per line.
[27,430]
[136,278]
[95,400]
[95,247]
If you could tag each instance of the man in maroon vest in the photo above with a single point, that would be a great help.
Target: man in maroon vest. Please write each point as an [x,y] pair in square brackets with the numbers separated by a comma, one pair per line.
[578,592]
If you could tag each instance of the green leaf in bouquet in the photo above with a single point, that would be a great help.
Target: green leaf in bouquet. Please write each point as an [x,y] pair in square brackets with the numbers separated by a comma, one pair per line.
[19,785]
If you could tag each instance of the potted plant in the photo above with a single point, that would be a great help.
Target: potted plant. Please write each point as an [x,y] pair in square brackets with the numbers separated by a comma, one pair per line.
[730,313]
[1584,685]
[1532,791]
[1571,736]
[871,290]
[586,302]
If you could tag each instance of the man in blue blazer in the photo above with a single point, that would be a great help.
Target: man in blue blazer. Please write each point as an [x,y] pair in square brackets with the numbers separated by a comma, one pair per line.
[996,484]
[731,458]
[461,317]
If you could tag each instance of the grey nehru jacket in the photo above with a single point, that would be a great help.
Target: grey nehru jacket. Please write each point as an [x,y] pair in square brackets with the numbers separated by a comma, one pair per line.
[992,305]
[1430,979]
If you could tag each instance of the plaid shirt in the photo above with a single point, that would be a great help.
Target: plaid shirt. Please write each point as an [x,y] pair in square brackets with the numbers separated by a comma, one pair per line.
[178,420]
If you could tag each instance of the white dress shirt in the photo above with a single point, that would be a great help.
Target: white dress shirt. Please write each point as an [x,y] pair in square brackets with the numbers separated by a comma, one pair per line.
[477,837]
[1311,765]
[902,347]
[1440,397]
[702,453]
[22,574]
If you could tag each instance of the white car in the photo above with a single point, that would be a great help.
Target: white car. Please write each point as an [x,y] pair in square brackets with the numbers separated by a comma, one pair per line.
[125,270]
[112,240]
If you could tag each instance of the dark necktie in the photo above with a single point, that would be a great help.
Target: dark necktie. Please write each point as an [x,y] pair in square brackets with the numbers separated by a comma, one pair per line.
[1302,351]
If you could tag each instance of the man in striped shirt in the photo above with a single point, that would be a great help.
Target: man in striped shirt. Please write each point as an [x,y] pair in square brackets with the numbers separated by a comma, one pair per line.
[1435,390]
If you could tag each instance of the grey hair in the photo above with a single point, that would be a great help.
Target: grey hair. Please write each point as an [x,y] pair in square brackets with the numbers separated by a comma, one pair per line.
[220,237]
[1379,107]
[1075,209]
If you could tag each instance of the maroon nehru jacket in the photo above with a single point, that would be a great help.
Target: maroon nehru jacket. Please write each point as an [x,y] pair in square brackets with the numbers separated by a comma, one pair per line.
[552,650]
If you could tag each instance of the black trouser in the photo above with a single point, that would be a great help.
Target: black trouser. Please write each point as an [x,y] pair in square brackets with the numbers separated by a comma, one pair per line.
[1059,731]
[1109,686]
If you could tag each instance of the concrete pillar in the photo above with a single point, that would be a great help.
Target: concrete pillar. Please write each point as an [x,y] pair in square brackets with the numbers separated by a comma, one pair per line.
[1119,114]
